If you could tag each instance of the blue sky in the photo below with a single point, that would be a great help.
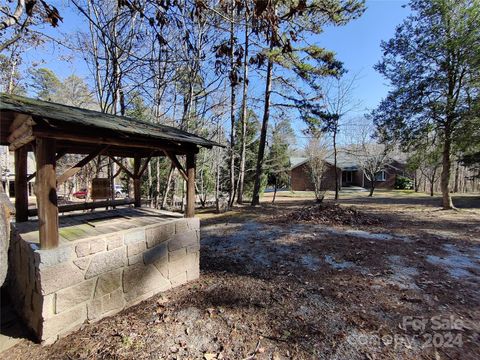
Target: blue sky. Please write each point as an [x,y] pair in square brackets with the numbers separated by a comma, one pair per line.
[357,45]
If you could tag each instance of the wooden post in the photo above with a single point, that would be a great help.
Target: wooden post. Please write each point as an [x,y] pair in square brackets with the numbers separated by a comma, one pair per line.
[137,188]
[21,184]
[46,191]
[190,209]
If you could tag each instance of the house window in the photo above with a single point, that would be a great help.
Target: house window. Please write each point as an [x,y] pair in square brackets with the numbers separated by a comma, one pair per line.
[381,176]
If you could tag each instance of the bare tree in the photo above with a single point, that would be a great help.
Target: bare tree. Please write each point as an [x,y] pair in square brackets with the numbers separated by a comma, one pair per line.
[339,102]
[317,151]
[20,16]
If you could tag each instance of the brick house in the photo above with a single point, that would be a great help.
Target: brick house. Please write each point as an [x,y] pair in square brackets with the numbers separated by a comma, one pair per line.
[350,173]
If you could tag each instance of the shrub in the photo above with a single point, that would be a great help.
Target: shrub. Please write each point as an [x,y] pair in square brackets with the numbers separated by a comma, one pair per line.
[403,183]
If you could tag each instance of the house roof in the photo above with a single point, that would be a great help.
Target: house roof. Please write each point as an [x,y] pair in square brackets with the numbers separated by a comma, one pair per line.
[77,120]
[297,161]
[344,162]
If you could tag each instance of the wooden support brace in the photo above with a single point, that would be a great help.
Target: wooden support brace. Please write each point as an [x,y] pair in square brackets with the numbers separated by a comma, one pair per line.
[144,167]
[77,167]
[177,164]
[129,173]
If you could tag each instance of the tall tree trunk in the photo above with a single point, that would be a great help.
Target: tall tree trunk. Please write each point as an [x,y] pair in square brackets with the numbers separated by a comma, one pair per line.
[445,177]
[167,187]
[274,191]
[335,161]
[263,134]
[372,188]
[432,183]
[232,104]
[12,74]
[243,151]
[457,175]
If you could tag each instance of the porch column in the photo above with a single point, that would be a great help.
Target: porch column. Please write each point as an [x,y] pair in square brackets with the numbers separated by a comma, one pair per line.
[137,188]
[190,209]
[21,185]
[46,192]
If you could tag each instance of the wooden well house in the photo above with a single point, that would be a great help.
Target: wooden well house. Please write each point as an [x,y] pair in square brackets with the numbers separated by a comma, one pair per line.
[88,265]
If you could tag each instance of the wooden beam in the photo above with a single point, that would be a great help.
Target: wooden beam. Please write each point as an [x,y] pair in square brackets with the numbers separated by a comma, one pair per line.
[21,185]
[46,191]
[78,166]
[137,188]
[190,209]
[129,173]
[144,166]
[117,173]
[177,164]
[21,131]
[19,120]
[107,140]
[22,140]
[87,206]
[59,155]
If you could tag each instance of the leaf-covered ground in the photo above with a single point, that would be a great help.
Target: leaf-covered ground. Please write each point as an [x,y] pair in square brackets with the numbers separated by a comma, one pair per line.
[294,289]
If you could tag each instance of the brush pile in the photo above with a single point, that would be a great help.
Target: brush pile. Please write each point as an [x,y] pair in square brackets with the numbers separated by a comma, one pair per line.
[329,214]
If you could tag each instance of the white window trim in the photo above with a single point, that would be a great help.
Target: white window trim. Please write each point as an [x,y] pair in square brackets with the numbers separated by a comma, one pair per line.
[383,176]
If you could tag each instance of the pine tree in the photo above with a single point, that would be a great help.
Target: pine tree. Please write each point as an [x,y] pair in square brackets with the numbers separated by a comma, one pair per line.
[433,65]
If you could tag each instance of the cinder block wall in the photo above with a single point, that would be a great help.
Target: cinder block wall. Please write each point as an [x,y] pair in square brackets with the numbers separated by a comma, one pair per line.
[57,290]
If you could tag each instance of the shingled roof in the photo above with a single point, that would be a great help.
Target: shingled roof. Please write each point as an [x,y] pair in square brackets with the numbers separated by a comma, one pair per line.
[58,116]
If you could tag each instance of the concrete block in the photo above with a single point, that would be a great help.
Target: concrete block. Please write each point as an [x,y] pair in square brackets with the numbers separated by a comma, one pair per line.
[60,322]
[114,241]
[105,262]
[135,259]
[181,226]
[193,223]
[177,254]
[72,296]
[135,236]
[182,240]
[179,279]
[97,245]
[159,234]
[83,249]
[193,248]
[94,309]
[136,248]
[193,273]
[61,276]
[45,258]
[82,263]
[187,262]
[155,253]
[141,279]
[108,282]
[162,266]
[113,301]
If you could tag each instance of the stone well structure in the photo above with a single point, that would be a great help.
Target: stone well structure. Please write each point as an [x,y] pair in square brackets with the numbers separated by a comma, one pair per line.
[105,262]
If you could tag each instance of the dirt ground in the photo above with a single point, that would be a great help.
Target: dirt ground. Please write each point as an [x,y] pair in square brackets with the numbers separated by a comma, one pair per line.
[405,285]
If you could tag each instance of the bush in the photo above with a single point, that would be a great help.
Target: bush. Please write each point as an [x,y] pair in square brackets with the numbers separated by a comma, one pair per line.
[403,183]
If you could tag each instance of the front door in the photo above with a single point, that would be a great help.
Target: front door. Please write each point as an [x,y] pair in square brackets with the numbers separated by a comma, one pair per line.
[347,178]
